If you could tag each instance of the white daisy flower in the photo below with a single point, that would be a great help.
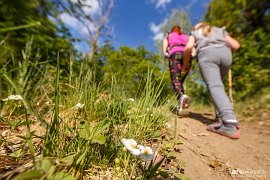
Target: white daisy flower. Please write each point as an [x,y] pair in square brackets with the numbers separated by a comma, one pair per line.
[13,98]
[131,99]
[131,145]
[18,97]
[168,125]
[146,153]
[78,106]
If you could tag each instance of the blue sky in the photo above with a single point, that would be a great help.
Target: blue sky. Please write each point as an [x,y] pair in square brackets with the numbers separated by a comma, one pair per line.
[137,22]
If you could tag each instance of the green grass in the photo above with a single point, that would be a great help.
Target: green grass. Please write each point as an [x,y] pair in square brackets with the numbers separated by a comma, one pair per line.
[254,109]
[77,143]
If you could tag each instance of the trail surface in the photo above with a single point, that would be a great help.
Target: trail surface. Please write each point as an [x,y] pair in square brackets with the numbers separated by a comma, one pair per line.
[210,156]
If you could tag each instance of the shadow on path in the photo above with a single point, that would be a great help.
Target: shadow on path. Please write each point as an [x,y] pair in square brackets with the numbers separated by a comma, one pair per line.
[205,118]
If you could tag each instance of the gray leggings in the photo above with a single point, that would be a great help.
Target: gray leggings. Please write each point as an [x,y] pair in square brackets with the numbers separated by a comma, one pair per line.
[214,63]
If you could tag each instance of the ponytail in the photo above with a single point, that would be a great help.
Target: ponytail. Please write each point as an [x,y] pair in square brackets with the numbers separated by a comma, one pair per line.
[204,27]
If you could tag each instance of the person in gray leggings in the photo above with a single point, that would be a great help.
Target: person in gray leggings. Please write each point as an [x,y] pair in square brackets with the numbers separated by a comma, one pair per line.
[214,48]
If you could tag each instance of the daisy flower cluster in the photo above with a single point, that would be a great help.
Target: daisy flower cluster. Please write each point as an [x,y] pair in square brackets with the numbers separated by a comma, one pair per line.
[138,150]
[13,98]
[130,99]
[77,106]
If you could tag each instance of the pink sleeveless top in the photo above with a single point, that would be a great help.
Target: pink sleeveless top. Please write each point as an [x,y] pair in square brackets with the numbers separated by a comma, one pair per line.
[177,42]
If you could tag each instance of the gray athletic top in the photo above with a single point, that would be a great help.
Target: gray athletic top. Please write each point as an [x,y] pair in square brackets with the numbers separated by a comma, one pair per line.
[215,38]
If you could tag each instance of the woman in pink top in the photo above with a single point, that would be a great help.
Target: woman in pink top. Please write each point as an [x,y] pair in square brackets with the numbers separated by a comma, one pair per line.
[173,48]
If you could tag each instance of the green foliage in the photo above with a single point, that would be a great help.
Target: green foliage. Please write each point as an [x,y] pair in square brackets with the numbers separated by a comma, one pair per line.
[254,109]
[250,71]
[49,38]
[44,169]
[130,67]
[178,17]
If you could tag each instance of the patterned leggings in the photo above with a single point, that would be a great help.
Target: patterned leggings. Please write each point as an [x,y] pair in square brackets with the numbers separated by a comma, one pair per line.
[177,77]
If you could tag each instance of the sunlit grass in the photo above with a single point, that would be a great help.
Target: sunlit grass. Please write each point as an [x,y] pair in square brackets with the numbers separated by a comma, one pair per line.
[76,129]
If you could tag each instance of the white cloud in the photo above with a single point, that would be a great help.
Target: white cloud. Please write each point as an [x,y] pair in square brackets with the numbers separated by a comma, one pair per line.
[76,25]
[161,3]
[156,29]
[92,6]
[82,46]
[80,29]
[84,30]
[69,20]
[158,36]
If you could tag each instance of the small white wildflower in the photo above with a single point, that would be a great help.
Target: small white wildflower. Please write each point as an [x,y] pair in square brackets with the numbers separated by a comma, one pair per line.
[151,115]
[131,99]
[18,97]
[168,125]
[78,106]
[147,109]
[13,98]
[146,152]
[131,145]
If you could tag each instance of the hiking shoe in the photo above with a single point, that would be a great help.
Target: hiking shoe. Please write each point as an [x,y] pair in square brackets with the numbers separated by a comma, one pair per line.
[227,130]
[179,109]
[184,103]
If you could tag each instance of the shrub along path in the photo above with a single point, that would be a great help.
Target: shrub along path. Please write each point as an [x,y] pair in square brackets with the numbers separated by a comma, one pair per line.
[211,156]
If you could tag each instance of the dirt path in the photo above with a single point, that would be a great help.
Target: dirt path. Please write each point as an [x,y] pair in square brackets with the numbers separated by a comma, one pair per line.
[211,156]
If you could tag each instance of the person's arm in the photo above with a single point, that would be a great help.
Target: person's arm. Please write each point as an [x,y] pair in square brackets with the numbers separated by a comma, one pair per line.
[187,53]
[165,45]
[233,43]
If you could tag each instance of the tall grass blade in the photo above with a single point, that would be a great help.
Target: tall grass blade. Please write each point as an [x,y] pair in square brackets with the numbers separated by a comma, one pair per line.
[20,27]
[52,131]
[29,137]
[55,124]
[155,168]
[26,102]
